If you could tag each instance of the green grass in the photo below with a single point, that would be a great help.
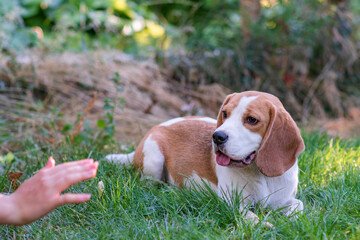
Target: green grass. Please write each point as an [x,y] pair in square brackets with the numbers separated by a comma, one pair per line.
[130,208]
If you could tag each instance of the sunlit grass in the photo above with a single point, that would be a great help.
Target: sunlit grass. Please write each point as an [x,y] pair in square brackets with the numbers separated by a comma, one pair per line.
[326,159]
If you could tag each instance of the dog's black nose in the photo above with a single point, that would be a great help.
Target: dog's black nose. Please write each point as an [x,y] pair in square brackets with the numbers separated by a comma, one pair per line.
[220,137]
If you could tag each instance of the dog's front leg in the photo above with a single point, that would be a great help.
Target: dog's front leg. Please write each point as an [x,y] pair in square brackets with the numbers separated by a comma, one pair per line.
[247,214]
[294,207]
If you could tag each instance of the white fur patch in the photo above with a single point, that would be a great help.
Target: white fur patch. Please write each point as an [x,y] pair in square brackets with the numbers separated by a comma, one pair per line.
[255,187]
[241,141]
[153,159]
[194,181]
[172,121]
[205,119]
[176,120]
[121,158]
[170,179]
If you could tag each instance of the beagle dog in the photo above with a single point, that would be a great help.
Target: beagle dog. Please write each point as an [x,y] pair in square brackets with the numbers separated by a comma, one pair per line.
[252,147]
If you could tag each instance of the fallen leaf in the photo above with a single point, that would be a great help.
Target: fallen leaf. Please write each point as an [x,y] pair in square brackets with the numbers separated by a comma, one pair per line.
[13,177]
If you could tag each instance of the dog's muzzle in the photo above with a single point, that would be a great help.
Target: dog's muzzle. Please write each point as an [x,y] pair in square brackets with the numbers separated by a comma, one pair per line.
[219,139]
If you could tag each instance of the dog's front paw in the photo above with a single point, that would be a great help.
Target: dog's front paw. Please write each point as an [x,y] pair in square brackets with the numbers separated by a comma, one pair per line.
[294,210]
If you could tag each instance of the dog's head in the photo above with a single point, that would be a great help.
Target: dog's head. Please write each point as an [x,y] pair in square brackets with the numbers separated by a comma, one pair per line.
[254,126]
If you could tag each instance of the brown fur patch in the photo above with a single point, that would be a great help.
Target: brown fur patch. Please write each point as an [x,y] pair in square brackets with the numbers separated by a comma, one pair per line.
[282,142]
[187,148]
[259,109]
[139,155]
[228,106]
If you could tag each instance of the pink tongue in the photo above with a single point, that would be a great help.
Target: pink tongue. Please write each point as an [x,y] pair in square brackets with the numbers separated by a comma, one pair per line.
[222,159]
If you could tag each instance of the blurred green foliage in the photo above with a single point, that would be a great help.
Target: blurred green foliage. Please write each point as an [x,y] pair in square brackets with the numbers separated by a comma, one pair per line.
[14,35]
[289,45]
[207,24]
[78,25]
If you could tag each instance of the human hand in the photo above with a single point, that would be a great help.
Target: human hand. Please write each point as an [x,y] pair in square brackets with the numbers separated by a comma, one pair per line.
[41,193]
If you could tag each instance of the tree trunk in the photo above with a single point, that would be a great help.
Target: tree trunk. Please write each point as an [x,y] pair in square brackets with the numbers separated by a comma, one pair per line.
[250,11]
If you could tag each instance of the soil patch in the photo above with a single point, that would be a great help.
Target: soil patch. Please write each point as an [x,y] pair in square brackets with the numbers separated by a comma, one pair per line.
[145,94]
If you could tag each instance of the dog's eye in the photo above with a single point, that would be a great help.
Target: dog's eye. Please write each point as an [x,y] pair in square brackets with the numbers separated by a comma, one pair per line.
[224,114]
[251,120]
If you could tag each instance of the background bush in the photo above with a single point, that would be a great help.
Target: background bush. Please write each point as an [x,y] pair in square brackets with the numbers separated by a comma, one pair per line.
[304,51]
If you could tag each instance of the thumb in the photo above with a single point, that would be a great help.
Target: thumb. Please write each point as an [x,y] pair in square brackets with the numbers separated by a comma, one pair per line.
[50,163]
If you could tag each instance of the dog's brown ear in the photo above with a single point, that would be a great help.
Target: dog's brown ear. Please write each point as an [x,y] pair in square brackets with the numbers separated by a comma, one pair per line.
[281,144]
[220,119]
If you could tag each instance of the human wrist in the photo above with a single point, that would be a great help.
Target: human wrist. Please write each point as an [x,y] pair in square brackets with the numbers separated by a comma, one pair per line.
[11,210]
[9,213]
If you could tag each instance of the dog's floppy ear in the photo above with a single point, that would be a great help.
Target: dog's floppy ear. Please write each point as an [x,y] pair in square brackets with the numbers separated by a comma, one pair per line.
[220,119]
[281,145]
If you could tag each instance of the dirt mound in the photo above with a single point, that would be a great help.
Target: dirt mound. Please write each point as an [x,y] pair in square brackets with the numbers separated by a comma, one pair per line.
[342,127]
[144,94]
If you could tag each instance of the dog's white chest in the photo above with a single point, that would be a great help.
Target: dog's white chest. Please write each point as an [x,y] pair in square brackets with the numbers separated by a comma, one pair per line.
[255,187]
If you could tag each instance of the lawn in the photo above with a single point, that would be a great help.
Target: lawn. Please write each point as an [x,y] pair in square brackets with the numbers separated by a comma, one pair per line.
[130,208]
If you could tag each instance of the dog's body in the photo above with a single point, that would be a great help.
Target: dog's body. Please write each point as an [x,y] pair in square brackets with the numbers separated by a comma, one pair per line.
[252,147]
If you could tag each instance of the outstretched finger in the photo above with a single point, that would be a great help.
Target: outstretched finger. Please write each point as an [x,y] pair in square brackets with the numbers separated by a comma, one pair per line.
[74,175]
[70,198]
[62,169]
[67,165]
